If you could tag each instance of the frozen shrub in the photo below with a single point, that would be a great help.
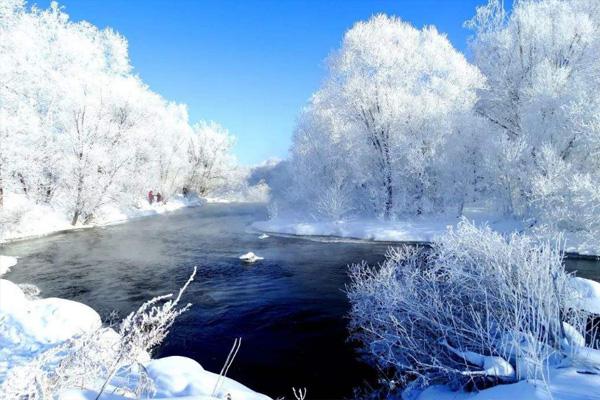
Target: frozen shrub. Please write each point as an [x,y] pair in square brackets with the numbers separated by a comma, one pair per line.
[475,309]
[100,359]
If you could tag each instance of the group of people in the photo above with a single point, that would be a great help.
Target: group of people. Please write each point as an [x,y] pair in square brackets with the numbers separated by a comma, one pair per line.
[154,197]
[158,198]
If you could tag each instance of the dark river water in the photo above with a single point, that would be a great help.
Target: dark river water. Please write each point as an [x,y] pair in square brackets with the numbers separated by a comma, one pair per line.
[290,309]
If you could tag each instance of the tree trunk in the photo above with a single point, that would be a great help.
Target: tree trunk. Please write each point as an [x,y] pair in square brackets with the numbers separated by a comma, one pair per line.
[78,202]
[1,189]
[23,183]
[75,217]
[389,190]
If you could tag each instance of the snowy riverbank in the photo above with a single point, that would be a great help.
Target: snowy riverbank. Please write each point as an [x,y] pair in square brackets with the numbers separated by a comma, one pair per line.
[32,326]
[416,229]
[563,384]
[409,230]
[21,219]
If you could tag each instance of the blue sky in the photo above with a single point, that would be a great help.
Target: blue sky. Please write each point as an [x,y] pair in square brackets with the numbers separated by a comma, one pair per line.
[249,65]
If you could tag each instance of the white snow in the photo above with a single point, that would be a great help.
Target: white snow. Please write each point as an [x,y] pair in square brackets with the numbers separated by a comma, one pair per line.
[491,366]
[23,219]
[572,336]
[410,229]
[564,384]
[41,321]
[181,376]
[6,263]
[30,326]
[12,298]
[250,257]
[579,381]
[263,236]
[590,294]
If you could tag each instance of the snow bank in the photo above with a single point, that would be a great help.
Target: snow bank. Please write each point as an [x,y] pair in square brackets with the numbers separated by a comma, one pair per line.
[410,229]
[21,218]
[590,294]
[564,384]
[114,215]
[29,327]
[6,263]
[181,376]
[414,229]
[41,322]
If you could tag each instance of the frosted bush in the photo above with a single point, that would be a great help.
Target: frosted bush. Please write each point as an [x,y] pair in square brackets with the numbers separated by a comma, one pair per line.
[100,359]
[476,309]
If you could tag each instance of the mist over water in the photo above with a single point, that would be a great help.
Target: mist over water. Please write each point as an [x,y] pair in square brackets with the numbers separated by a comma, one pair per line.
[289,309]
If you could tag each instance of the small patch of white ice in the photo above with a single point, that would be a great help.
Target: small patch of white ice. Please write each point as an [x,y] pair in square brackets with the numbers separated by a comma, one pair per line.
[6,262]
[250,257]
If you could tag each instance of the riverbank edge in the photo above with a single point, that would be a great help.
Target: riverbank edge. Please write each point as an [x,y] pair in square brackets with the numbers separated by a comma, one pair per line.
[39,324]
[290,229]
[138,214]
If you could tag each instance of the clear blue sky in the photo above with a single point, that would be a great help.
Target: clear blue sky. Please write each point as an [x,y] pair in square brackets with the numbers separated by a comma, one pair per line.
[249,65]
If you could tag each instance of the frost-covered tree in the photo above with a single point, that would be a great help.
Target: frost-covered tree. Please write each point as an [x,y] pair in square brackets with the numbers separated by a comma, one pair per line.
[80,133]
[393,105]
[210,158]
[543,75]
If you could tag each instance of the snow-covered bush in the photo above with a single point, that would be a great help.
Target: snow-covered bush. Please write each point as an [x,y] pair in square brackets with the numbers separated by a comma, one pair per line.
[476,308]
[102,358]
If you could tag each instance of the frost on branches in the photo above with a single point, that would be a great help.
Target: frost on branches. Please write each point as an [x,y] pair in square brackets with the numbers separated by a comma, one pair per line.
[377,137]
[100,359]
[541,104]
[405,126]
[82,136]
[475,310]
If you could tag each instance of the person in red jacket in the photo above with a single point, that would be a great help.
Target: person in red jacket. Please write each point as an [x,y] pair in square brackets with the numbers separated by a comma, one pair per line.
[150,197]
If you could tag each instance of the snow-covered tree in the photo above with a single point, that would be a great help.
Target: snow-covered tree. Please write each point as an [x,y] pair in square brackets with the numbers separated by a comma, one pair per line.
[210,158]
[393,104]
[80,132]
[543,75]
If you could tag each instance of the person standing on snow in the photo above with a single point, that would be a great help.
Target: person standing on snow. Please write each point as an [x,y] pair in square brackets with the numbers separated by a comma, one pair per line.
[158,197]
[150,197]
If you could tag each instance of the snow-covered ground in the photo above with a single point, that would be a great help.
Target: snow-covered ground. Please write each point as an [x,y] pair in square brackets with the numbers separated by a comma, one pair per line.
[580,381]
[30,326]
[22,219]
[410,229]
[416,229]
[564,384]
[578,244]
[6,262]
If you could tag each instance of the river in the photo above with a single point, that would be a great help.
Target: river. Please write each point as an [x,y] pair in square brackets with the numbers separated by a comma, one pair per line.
[290,309]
